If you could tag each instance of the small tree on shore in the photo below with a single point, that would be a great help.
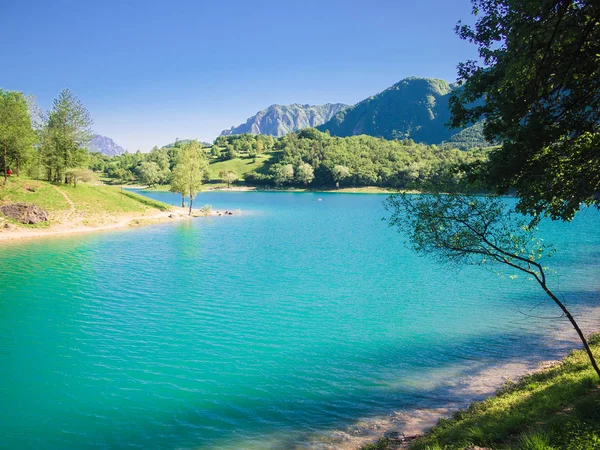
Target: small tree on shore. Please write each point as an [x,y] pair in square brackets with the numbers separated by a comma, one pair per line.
[189,172]
[228,177]
[339,173]
[282,174]
[462,229]
[305,174]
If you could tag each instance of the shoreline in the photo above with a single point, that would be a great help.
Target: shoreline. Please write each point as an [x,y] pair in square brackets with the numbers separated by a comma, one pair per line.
[124,221]
[245,188]
[473,384]
[413,423]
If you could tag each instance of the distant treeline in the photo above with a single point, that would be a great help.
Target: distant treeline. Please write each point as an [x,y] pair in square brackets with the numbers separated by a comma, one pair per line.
[54,145]
[366,161]
[313,159]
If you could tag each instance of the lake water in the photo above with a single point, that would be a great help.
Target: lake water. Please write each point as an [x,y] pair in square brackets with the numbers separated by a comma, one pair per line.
[257,330]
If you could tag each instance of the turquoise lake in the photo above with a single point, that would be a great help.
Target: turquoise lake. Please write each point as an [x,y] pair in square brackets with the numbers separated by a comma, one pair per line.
[259,330]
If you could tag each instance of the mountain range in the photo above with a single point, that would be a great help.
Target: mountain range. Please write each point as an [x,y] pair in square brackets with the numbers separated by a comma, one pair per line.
[414,108]
[278,120]
[105,145]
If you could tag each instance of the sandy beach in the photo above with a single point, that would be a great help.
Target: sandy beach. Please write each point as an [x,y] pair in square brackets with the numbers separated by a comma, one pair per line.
[70,225]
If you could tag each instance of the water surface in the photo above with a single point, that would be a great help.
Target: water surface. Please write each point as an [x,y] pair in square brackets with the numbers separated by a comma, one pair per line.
[295,316]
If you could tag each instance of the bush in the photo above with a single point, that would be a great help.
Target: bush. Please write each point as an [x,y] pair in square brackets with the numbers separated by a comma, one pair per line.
[258,178]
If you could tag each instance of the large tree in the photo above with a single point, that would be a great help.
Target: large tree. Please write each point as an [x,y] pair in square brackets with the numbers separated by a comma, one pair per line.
[16,134]
[68,134]
[189,172]
[537,85]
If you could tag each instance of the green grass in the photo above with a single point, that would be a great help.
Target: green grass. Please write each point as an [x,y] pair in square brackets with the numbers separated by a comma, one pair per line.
[147,201]
[109,199]
[21,189]
[89,200]
[558,408]
[240,166]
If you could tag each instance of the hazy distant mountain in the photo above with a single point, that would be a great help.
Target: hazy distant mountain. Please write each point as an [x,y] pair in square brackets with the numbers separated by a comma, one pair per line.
[415,108]
[105,145]
[278,120]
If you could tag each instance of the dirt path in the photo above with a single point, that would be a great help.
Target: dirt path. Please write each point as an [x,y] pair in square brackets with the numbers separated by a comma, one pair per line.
[67,198]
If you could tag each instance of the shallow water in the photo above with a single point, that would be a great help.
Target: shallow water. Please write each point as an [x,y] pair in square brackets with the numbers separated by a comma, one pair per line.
[257,330]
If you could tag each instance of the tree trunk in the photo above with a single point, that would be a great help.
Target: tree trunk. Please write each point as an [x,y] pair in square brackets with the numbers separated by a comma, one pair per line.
[191,200]
[575,325]
[182,201]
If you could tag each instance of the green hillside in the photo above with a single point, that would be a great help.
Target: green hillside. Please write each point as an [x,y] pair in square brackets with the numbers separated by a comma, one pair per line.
[415,108]
[470,137]
[240,166]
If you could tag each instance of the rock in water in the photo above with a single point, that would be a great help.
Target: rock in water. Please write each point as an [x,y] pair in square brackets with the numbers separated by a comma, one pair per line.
[27,213]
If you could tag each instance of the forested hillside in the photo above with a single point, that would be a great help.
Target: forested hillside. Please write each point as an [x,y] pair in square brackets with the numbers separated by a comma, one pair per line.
[308,158]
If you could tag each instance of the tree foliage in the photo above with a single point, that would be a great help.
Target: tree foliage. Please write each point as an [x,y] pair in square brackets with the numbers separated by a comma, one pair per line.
[369,161]
[282,174]
[149,173]
[539,77]
[305,174]
[189,172]
[67,134]
[228,177]
[16,133]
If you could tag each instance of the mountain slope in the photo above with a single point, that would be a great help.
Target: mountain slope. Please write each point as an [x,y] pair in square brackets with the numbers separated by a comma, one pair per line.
[415,108]
[470,137]
[105,145]
[278,120]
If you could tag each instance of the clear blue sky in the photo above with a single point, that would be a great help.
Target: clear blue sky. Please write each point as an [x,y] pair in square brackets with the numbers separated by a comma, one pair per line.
[154,70]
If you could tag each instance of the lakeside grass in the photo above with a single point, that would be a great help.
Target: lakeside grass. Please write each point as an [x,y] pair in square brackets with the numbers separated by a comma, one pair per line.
[91,203]
[557,408]
[108,199]
[43,194]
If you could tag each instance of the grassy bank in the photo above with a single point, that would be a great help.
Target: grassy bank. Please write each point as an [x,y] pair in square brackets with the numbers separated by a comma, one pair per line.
[558,408]
[86,204]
